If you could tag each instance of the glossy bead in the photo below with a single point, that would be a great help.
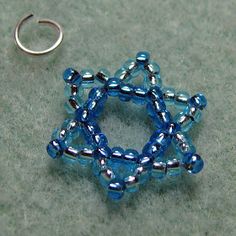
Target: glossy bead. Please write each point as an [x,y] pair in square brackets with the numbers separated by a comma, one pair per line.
[94,106]
[126,92]
[183,144]
[131,184]
[97,94]
[83,115]
[113,87]
[162,119]
[155,93]
[91,128]
[130,65]
[169,95]
[159,169]
[154,80]
[70,155]
[140,95]
[59,134]
[193,163]
[117,153]
[116,190]
[153,68]
[154,107]
[153,149]
[173,128]
[98,166]
[87,78]
[130,155]
[122,74]
[106,176]
[103,75]
[71,76]
[86,155]
[198,101]
[100,140]
[72,104]
[72,90]
[161,138]
[143,174]
[145,161]
[102,152]
[181,99]
[142,57]
[193,112]
[54,149]
[186,122]
[173,167]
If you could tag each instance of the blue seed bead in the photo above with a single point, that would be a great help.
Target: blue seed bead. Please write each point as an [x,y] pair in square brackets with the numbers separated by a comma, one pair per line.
[116,190]
[153,149]
[198,101]
[103,75]
[193,112]
[131,184]
[71,76]
[73,90]
[126,92]
[100,140]
[162,119]
[145,161]
[183,144]
[72,104]
[143,174]
[87,78]
[117,153]
[173,167]
[86,155]
[142,57]
[102,152]
[155,93]
[153,80]
[173,128]
[130,155]
[153,68]
[159,169]
[70,155]
[186,122]
[130,65]
[54,149]
[140,95]
[181,99]
[91,128]
[122,74]
[169,95]
[97,94]
[160,137]
[113,87]
[83,115]
[106,176]
[98,166]
[154,107]
[193,163]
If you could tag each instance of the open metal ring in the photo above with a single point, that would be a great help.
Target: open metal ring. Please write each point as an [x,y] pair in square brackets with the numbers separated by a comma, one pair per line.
[42,21]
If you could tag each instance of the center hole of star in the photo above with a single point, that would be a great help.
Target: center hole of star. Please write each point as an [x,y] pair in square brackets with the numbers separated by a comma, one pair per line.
[126,124]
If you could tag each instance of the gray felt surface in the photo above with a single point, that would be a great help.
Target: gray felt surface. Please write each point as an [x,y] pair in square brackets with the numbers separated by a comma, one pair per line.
[195,44]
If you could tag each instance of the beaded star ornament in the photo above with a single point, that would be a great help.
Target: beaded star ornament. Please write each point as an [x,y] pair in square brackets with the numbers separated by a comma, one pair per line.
[123,171]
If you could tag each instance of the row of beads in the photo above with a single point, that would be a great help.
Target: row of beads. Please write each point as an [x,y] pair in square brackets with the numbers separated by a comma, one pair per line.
[131,69]
[157,170]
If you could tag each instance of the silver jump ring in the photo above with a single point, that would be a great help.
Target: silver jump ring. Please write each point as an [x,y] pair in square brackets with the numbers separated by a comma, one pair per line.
[42,21]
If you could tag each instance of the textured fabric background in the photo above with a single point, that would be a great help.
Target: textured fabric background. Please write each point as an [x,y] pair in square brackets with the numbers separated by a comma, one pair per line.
[195,44]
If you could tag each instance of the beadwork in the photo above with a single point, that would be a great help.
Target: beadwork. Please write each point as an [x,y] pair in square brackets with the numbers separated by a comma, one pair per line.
[123,171]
